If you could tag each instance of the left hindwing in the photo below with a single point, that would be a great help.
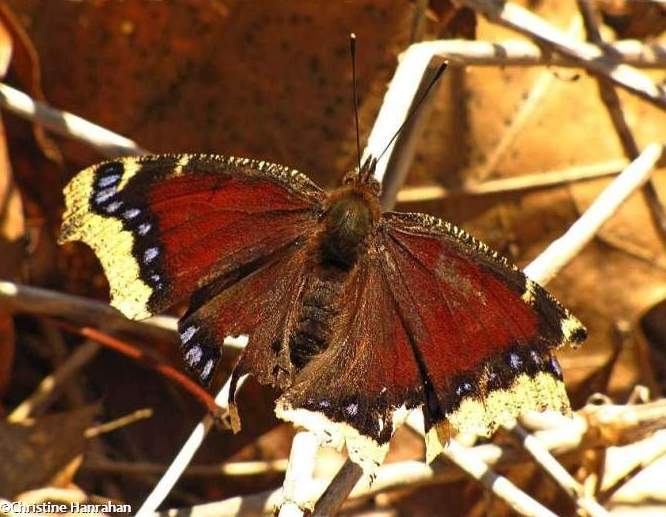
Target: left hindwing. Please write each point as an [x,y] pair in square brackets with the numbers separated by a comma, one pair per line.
[164,226]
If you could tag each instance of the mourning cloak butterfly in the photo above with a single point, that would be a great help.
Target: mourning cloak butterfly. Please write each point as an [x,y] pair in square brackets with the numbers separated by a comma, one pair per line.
[358,316]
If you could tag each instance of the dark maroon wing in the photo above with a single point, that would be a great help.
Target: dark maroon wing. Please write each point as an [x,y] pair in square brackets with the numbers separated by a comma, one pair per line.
[483,333]
[170,227]
[361,387]
[431,318]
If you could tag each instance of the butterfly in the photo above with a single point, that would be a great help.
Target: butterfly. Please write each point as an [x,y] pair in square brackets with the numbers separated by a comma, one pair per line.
[357,316]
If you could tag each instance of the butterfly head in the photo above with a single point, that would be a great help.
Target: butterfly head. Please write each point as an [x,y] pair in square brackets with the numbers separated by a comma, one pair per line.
[363,179]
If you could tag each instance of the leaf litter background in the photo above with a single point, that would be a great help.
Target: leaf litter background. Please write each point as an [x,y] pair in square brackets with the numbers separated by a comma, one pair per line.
[271,80]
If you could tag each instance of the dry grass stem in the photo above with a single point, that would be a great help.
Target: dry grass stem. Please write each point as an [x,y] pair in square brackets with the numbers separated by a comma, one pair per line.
[107,427]
[234,469]
[534,180]
[560,251]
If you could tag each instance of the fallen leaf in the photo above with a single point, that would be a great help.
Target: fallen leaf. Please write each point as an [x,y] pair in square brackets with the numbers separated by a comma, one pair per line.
[36,451]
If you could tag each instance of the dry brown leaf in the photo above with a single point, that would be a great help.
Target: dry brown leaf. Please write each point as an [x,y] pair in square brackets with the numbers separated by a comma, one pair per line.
[27,73]
[7,350]
[36,452]
[11,228]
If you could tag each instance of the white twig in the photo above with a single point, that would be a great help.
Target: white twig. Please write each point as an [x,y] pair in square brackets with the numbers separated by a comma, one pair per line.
[296,488]
[184,456]
[556,471]
[107,142]
[409,82]
[526,53]
[469,461]
[591,57]
[562,250]
[533,180]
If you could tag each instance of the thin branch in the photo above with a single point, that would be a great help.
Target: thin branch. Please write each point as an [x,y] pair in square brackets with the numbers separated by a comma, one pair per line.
[526,53]
[534,180]
[88,312]
[185,455]
[611,100]
[591,57]
[85,311]
[118,423]
[338,490]
[233,469]
[106,142]
[49,386]
[411,78]
[300,469]
[557,472]
[562,250]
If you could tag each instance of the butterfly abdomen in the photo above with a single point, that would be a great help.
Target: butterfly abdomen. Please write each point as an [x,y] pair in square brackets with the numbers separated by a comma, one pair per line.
[312,332]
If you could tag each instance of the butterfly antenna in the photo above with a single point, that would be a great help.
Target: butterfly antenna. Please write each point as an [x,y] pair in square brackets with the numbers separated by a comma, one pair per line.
[352,50]
[438,74]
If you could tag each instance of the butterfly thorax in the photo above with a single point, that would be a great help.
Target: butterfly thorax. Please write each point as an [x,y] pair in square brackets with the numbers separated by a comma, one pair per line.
[352,211]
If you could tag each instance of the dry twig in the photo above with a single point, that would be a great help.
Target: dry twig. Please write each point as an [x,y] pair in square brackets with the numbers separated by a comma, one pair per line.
[61,122]
[51,383]
[234,469]
[296,489]
[530,181]
[589,56]
[560,251]
[592,427]
[611,100]
[526,53]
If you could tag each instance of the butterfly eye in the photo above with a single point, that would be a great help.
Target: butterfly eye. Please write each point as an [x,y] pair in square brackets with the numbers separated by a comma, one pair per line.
[349,177]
